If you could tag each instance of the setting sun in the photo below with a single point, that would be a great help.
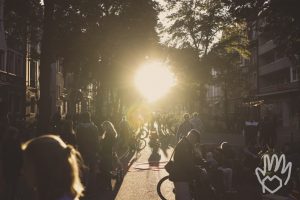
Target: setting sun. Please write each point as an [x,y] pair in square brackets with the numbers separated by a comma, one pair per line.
[153,80]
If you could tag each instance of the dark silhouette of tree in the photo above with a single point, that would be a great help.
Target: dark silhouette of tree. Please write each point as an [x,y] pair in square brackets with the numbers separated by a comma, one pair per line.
[22,23]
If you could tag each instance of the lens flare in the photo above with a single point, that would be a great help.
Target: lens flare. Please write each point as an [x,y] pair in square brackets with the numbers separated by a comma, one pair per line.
[154,80]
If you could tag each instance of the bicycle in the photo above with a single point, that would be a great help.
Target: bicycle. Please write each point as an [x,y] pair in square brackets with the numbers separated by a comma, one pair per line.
[159,187]
[137,143]
[194,193]
[198,188]
[143,133]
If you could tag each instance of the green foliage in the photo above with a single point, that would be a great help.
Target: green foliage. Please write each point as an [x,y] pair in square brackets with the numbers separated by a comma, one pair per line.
[194,23]
[281,20]
[22,21]
[225,58]
[100,37]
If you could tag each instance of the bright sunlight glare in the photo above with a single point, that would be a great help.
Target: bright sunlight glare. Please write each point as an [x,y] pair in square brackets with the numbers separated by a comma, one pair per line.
[154,80]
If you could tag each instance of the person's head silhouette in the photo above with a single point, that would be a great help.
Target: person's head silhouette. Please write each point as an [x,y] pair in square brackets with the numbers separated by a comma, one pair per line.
[52,168]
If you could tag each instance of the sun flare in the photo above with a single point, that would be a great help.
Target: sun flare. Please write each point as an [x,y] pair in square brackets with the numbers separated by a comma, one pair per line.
[154,80]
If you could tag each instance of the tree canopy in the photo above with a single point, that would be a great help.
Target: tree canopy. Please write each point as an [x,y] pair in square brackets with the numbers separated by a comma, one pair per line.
[194,23]
[279,19]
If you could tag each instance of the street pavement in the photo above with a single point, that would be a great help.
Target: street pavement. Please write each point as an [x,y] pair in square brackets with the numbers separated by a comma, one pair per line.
[142,177]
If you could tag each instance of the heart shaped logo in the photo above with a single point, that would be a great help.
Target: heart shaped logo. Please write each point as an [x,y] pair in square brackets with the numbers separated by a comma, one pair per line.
[274,180]
[275,165]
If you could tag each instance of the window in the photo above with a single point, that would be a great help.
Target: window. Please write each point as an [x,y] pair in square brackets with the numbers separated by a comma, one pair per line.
[59,66]
[295,74]
[2,67]
[32,105]
[64,107]
[33,67]
[10,62]
[60,63]
[19,65]
[57,91]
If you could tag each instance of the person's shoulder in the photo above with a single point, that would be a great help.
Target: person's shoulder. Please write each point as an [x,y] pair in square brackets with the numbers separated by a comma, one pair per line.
[182,142]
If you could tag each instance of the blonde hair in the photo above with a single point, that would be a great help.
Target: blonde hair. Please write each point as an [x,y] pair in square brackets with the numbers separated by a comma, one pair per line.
[56,167]
[109,128]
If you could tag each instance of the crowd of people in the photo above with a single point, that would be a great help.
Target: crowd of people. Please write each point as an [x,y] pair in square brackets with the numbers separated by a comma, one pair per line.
[51,163]
[228,169]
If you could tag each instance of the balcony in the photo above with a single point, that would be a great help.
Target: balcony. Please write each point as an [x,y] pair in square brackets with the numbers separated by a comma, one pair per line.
[279,88]
[277,65]
[264,48]
[10,79]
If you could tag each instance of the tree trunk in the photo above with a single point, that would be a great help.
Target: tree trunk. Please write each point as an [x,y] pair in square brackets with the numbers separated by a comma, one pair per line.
[45,69]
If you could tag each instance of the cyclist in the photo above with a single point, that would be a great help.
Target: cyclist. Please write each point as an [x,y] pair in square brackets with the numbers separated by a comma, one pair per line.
[196,122]
[184,127]
[186,157]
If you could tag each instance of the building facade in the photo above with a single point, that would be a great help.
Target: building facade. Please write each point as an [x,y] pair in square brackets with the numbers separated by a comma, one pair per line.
[32,85]
[12,83]
[278,85]
[12,79]
[58,91]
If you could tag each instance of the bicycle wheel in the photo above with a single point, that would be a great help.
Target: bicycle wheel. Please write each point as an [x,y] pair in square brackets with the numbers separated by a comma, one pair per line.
[143,133]
[140,144]
[165,189]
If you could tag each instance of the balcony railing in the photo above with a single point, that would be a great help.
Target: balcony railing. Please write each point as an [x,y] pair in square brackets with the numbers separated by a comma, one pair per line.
[279,64]
[280,88]
[266,47]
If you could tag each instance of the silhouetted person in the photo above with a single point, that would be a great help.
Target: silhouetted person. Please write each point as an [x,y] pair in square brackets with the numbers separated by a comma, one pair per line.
[152,121]
[52,168]
[185,161]
[56,121]
[87,139]
[196,122]
[184,127]
[267,132]
[124,131]
[67,133]
[107,151]
[251,131]
[225,157]
[11,157]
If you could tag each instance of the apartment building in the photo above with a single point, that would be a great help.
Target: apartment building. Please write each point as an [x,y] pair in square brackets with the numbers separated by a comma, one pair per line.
[58,91]
[32,84]
[12,70]
[278,85]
